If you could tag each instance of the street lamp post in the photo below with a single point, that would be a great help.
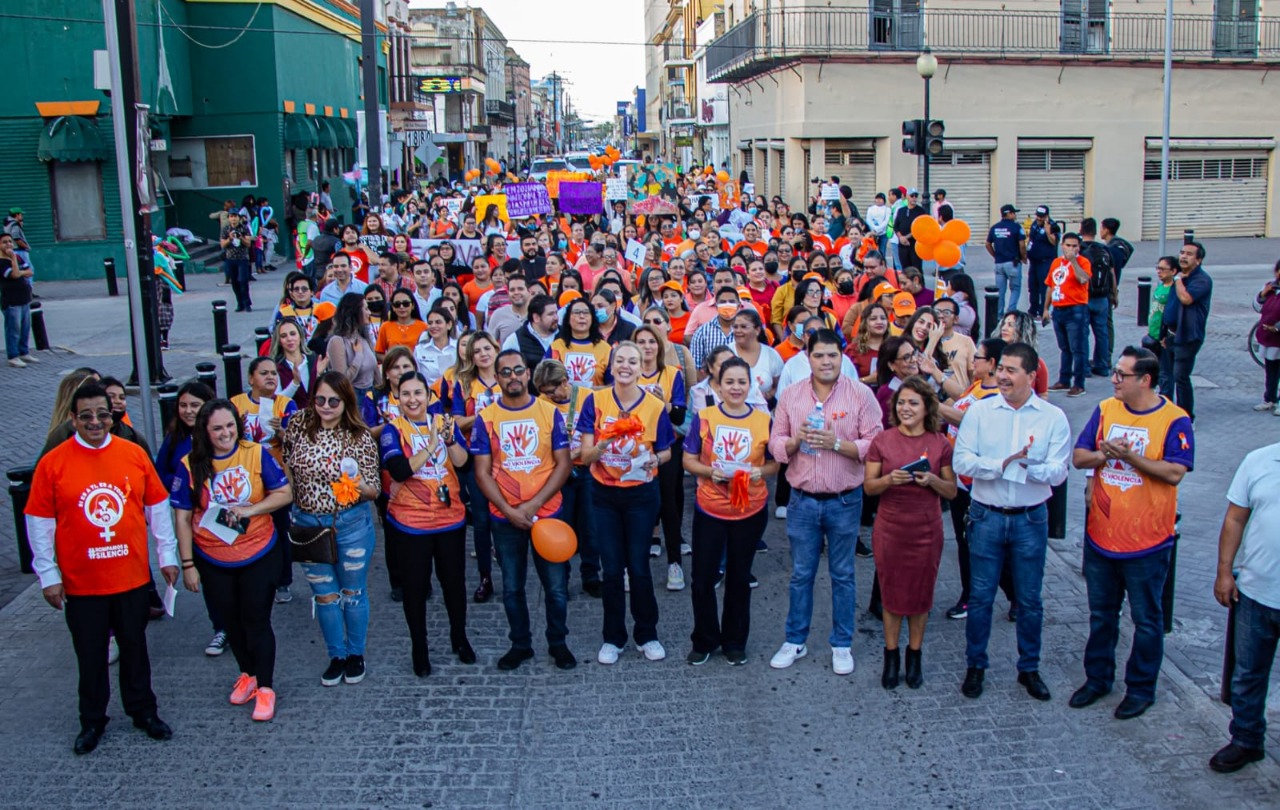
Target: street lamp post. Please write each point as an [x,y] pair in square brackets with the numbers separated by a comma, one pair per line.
[926,66]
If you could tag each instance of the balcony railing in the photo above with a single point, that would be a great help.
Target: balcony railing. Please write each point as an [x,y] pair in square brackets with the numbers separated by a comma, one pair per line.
[500,111]
[766,40]
[405,92]
[673,50]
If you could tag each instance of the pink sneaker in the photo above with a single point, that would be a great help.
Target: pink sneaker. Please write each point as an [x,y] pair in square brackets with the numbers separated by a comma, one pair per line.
[243,691]
[265,708]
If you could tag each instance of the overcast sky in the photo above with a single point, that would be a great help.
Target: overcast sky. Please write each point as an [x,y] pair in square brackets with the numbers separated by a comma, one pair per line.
[600,72]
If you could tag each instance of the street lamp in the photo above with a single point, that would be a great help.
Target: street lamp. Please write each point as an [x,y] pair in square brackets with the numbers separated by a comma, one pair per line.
[926,66]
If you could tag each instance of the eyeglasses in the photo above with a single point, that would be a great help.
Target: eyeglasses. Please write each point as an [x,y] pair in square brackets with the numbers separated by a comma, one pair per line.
[978,357]
[328,402]
[91,417]
[398,304]
[946,312]
[907,358]
[513,371]
[1117,374]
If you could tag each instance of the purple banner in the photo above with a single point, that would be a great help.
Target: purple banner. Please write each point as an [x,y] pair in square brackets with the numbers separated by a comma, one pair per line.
[580,198]
[527,199]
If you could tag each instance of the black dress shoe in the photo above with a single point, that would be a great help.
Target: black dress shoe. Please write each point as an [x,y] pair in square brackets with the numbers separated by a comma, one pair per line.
[1035,686]
[913,677]
[514,658]
[889,677]
[972,687]
[156,728]
[1084,696]
[462,648]
[592,589]
[1132,707]
[563,658]
[88,739]
[421,662]
[484,591]
[1234,757]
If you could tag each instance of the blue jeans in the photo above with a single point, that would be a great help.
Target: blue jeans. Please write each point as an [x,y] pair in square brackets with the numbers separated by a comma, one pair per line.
[481,524]
[576,510]
[629,512]
[1108,581]
[808,521]
[1008,274]
[17,329]
[1037,270]
[513,559]
[344,622]
[1100,322]
[1020,539]
[1257,631]
[239,272]
[1071,327]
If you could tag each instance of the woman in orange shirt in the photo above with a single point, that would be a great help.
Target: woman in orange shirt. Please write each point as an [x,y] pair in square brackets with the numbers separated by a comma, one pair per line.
[403,327]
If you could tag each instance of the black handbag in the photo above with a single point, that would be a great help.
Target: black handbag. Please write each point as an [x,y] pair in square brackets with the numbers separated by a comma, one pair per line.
[315,544]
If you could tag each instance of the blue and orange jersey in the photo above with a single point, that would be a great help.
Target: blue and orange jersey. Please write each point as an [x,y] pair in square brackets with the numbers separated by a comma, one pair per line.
[415,506]
[241,478]
[585,361]
[472,402]
[379,408]
[521,443]
[1132,514]
[730,443]
[256,428]
[303,315]
[667,385]
[602,408]
[569,410]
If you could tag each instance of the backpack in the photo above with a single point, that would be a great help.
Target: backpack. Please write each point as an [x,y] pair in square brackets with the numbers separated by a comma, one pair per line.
[1121,252]
[1102,269]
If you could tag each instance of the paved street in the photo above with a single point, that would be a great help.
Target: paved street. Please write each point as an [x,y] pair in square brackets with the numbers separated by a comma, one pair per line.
[645,734]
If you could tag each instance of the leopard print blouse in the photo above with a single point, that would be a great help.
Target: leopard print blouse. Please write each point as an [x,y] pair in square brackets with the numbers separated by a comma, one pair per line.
[315,464]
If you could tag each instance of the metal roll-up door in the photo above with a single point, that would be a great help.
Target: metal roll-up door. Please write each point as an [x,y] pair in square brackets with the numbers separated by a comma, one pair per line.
[781,190]
[966,177]
[1052,177]
[856,168]
[1217,193]
[746,164]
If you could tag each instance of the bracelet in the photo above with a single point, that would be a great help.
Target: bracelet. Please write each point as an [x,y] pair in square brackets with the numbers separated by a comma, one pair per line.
[188,560]
[187,565]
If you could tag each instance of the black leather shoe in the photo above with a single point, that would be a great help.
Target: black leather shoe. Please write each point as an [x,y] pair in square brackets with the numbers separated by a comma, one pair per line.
[156,728]
[421,662]
[397,594]
[466,654]
[913,677]
[1084,696]
[1035,686]
[1132,707]
[514,658]
[889,677]
[1233,758]
[485,591]
[972,687]
[88,739]
[563,658]
[592,589]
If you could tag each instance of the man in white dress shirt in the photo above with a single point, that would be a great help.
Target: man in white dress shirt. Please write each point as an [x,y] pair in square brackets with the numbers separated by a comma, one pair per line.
[1016,447]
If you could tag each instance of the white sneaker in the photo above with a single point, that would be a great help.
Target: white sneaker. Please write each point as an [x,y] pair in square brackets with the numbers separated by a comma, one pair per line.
[626,582]
[652,650]
[28,359]
[675,577]
[1276,410]
[283,596]
[1263,406]
[780,513]
[787,654]
[842,660]
[685,549]
[217,644]
[608,654]
[113,651]
[655,550]
[17,363]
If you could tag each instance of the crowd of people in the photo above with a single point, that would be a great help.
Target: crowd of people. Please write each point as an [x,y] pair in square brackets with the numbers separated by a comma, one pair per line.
[505,372]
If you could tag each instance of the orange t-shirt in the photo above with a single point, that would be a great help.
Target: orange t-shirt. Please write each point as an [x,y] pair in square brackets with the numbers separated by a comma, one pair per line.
[1064,289]
[787,349]
[759,248]
[392,333]
[97,496]
[473,291]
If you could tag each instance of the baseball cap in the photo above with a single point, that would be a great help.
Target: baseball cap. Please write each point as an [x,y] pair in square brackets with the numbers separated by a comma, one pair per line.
[324,310]
[15,211]
[904,306]
[902,191]
[883,288]
[667,285]
[913,192]
[1007,209]
[1042,211]
[744,293]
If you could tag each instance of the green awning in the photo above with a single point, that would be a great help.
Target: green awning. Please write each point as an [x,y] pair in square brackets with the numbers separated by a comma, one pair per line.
[71,138]
[346,128]
[300,132]
[328,135]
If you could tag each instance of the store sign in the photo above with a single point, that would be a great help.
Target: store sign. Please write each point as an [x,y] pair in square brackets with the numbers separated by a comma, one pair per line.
[441,84]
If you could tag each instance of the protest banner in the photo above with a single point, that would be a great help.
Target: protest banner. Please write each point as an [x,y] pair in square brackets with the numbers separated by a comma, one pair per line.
[527,199]
[485,200]
[615,188]
[581,198]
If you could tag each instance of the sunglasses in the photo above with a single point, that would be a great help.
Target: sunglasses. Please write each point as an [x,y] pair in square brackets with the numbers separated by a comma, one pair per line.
[398,304]
[100,416]
[329,402]
[514,371]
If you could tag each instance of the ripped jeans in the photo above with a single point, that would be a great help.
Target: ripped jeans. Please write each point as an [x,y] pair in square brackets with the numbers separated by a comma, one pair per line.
[339,598]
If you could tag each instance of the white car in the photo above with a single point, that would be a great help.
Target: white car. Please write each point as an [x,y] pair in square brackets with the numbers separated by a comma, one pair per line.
[579,161]
[539,168]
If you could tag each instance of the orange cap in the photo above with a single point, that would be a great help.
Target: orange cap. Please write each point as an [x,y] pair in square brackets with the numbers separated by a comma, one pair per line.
[883,288]
[672,285]
[324,311]
[569,295]
[904,305]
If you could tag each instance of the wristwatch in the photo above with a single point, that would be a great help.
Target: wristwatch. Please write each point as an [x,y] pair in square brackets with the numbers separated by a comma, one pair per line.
[836,446]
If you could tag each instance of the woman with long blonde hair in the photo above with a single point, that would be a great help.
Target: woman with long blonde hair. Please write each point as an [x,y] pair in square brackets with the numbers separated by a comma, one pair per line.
[475,388]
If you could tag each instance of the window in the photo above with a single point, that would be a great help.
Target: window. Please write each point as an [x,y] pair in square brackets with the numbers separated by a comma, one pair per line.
[222,161]
[896,25]
[1209,168]
[1084,26]
[78,210]
[290,155]
[313,163]
[1235,28]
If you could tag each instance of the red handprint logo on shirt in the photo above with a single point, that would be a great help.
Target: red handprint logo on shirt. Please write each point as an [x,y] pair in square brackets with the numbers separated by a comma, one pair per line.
[231,487]
[581,368]
[518,440]
[732,444]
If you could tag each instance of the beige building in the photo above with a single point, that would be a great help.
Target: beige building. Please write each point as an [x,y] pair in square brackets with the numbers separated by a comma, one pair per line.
[1055,102]
[674,127]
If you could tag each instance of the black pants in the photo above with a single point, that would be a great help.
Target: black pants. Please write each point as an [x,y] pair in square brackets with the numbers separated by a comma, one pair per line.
[736,540]
[282,521]
[1184,363]
[671,513]
[1271,369]
[92,620]
[419,553]
[244,596]
[960,523]
[394,547]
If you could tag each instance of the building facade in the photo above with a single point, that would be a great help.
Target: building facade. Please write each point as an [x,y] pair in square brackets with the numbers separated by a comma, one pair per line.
[1054,102]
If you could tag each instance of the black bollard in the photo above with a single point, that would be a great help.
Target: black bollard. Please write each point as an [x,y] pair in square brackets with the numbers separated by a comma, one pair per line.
[1144,300]
[113,285]
[207,373]
[261,336]
[19,490]
[1229,655]
[991,314]
[38,331]
[180,273]
[168,403]
[231,370]
[1166,598]
[220,336]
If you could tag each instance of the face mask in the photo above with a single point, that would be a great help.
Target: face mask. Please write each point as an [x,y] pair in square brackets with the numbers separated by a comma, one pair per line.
[771,267]
[562,244]
[727,311]
[375,307]
[845,287]
[602,315]
[798,275]
[753,210]
[694,234]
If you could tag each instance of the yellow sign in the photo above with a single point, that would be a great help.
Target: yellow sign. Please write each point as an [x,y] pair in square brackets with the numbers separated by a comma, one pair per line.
[441,84]
[555,178]
[485,200]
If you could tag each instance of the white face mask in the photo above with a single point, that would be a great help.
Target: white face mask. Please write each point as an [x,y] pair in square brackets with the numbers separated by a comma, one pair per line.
[695,234]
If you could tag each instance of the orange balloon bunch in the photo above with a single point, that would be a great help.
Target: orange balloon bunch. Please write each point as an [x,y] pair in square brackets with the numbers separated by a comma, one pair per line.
[472,174]
[938,242]
[628,427]
[492,165]
[612,153]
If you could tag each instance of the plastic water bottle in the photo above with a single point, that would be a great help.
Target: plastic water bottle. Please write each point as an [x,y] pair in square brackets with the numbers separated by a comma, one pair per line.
[816,420]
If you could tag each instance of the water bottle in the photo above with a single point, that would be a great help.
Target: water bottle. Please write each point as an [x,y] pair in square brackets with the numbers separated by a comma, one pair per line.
[816,420]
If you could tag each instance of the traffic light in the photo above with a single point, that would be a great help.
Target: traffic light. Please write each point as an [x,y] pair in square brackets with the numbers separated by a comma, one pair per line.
[913,142]
[933,139]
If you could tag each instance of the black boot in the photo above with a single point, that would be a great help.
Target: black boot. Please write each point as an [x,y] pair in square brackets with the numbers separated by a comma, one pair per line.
[892,660]
[421,661]
[914,677]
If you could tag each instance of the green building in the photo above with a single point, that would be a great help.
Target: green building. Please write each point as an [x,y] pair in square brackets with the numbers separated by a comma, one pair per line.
[246,98]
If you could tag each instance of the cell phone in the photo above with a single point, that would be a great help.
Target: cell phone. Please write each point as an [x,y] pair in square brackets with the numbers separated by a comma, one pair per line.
[239,525]
[442,495]
[920,465]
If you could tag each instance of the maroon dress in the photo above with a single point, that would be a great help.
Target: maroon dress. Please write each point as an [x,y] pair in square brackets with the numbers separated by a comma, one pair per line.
[907,536]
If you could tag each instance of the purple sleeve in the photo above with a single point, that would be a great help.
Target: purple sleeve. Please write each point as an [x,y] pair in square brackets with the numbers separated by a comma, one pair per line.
[273,476]
[679,397]
[693,438]
[1180,443]
[180,492]
[559,436]
[1088,439]
[587,418]
[480,438]
[389,443]
[459,402]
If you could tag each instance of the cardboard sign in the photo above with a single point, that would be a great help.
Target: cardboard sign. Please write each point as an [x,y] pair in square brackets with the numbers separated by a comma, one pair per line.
[485,200]
[581,198]
[454,206]
[527,199]
[830,192]
[634,252]
[555,178]
[615,188]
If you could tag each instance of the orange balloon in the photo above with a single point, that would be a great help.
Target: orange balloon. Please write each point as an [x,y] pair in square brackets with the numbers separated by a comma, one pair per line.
[925,250]
[554,540]
[722,176]
[957,231]
[946,254]
[640,221]
[492,164]
[926,229]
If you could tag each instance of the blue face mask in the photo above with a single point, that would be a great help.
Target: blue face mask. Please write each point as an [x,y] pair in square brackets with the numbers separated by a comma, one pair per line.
[753,210]
[602,315]
[562,244]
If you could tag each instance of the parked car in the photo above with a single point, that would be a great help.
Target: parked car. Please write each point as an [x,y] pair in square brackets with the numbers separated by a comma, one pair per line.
[538,170]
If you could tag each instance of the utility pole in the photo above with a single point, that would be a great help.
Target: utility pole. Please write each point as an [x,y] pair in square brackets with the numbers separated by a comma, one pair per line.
[555,110]
[372,130]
